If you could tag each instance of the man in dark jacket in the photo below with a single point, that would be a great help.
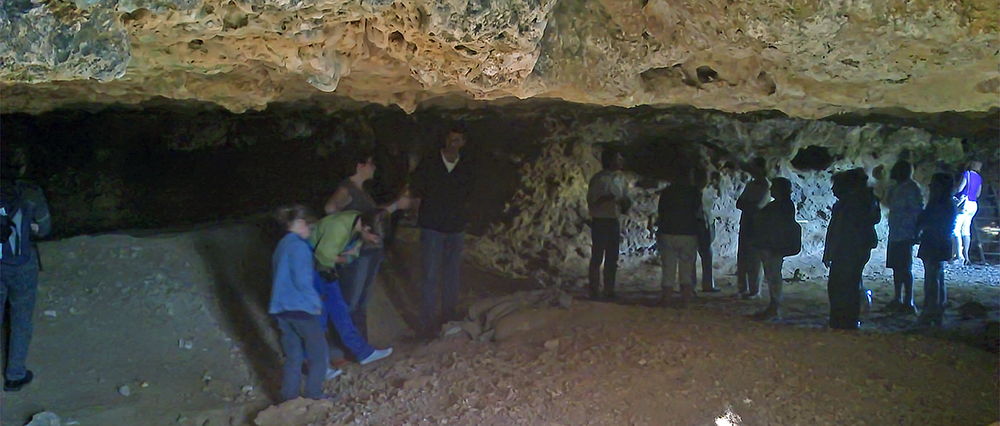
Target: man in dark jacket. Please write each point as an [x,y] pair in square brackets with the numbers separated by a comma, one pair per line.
[443,184]
[850,238]
[680,216]
[25,215]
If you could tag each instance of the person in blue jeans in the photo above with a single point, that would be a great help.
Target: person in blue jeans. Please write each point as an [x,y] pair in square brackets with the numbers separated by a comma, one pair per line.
[337,241]
[297,307]
[443,185]
[25,215]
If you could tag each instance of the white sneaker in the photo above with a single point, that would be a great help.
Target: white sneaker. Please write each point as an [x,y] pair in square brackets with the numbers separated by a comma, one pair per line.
[377,355]
[332,373]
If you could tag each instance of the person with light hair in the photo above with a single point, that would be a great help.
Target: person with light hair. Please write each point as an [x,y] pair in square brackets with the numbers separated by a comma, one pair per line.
[967,192]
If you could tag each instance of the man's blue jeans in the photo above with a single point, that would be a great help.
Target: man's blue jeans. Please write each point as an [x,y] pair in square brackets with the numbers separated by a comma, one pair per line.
[301,339]
[19,286]
[441,254]
[356,280]
[335,312]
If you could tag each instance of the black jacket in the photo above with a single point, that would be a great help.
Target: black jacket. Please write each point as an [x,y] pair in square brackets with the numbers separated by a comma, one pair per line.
[444,197]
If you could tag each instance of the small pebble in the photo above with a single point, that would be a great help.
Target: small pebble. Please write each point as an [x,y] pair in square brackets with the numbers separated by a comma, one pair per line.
[124,390]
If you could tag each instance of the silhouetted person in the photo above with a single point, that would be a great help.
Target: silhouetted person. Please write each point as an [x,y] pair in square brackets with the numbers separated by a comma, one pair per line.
[443,184]
[607,199]
[24,214]
[705,237]
[776,235]
[680,216]
[753,198]
[850,238]
[936,224]
[967,192]
[905,202]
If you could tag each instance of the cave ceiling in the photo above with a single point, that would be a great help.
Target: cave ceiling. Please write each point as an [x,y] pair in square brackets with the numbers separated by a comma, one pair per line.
[808,59]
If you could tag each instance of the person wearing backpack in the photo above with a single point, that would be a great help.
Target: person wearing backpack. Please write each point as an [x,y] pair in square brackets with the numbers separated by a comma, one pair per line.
[850,238]
[24,215]
[776,235]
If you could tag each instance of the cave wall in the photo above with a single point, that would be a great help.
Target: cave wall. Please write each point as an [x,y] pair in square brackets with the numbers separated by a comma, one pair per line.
[172,164]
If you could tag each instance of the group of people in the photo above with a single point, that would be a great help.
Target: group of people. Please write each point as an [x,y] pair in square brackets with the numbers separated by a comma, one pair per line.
[323,270]
[769,232]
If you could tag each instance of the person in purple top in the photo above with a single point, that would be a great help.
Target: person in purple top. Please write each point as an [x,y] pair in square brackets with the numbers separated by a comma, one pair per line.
[967,192]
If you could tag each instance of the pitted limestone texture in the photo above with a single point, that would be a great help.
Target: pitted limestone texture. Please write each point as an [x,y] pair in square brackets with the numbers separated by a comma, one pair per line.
[807,59]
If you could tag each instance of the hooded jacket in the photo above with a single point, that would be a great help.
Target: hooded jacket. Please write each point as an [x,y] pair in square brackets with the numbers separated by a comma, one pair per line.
[333,235]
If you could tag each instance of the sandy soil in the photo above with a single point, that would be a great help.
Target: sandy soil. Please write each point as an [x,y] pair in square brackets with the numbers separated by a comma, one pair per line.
[178,318]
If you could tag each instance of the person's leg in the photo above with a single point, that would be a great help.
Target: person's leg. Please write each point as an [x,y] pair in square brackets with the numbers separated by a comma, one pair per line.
[669,258]
[611,259]
[905,274]
[932,292]
[956,237]
[21,292]
[597,249]
[969,213]
[742,264]
[291,371]
[772,274]
[454,243]
[754,271]
[337,313]
[942,294]
[687,249]
[852,290]
[314,341]
[706,255]
[431,245]
[359,302]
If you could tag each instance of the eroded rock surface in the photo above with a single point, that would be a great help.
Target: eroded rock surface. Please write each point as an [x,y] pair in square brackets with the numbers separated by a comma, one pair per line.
[808,59]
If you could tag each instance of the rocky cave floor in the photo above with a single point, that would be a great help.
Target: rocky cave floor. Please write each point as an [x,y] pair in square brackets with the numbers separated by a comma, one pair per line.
[142,312]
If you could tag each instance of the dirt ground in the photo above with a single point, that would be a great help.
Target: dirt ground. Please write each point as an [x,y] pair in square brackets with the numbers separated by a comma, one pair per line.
[179,319]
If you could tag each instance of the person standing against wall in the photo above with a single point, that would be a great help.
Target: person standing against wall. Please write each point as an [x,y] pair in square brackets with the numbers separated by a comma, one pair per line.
[607,199]
[850,238]
[967,193]
[776,235]
[754,197]
[443,185]
[905,202]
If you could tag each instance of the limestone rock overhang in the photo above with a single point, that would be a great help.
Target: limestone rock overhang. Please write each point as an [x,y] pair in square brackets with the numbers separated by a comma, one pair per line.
[804,58]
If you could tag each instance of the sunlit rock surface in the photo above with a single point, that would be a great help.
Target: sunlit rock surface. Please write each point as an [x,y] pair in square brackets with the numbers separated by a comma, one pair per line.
[805,58]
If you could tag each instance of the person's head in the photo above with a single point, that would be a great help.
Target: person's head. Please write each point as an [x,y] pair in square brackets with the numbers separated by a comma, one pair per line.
[974,165]
[901,171]
[941,187]
[781,188]
[295,218]
[366,224]
[14,163]
[455,139]
[758,168]
[611,159]
[849,181]
[362,164]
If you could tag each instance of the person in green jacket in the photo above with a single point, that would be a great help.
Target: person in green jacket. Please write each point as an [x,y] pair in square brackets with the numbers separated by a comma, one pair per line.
[337,238]
[336,241]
